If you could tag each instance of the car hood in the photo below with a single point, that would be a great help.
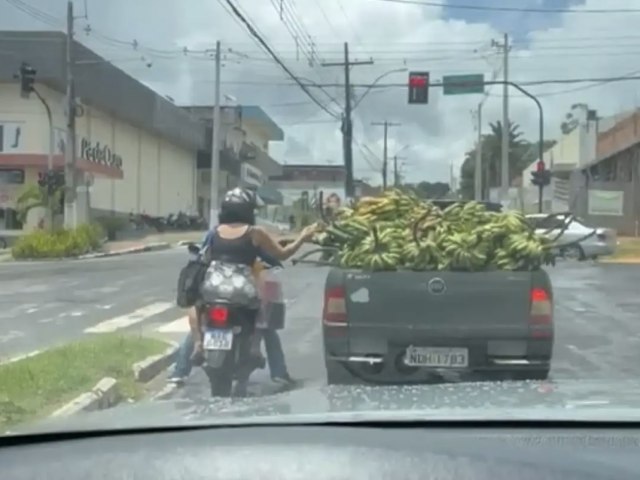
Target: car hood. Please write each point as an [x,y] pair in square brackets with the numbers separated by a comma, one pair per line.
[553,400]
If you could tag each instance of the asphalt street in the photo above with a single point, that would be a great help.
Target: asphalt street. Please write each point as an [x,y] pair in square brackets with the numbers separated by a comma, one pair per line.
[43,304]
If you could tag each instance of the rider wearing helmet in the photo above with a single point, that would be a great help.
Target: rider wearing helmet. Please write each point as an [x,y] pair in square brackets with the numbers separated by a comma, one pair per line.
[238,240]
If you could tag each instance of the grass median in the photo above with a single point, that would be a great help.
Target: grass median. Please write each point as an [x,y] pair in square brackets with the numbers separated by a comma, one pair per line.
[36,386]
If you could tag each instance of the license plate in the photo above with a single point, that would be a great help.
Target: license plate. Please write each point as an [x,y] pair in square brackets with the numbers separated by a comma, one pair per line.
[437,357]
[218,339]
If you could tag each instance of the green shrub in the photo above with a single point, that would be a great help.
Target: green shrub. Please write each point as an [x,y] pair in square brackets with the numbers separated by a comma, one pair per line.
[59,243]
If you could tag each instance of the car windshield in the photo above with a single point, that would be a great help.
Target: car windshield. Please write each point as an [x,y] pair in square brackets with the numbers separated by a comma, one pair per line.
[328,208]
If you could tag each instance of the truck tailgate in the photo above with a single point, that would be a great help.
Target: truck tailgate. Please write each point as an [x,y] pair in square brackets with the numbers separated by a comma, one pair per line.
[403,305]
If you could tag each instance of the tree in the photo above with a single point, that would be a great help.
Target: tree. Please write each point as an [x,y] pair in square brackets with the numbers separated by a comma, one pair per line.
[429,190]
[521,154]
[36,196]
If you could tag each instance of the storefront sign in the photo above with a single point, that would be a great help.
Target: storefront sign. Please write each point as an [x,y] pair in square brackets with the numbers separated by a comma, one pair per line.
[251,175]
[100,154]
[606,202]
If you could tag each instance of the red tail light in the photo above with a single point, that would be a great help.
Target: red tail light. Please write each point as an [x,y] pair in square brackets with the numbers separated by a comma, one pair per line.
[335,308]
[541,314]
[218,316]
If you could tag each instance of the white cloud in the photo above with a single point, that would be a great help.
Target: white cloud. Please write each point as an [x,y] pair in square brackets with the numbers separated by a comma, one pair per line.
[394,35]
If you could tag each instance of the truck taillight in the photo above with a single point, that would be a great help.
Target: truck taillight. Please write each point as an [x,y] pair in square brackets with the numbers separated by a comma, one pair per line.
[218,316]
[334,313]
[541,314]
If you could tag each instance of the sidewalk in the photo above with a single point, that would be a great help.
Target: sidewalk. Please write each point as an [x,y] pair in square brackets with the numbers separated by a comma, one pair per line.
[139,242]
[158,241]
[169,238]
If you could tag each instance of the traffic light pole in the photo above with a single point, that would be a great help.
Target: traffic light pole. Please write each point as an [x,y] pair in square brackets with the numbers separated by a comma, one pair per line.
[50,154]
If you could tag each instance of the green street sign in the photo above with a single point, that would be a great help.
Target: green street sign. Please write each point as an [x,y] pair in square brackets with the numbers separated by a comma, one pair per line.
[462,84]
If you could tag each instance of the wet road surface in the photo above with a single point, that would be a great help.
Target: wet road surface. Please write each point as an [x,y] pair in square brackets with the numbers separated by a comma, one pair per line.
[597,312]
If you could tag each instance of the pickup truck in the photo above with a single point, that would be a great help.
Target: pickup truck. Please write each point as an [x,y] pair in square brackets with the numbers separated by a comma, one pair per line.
[415,327]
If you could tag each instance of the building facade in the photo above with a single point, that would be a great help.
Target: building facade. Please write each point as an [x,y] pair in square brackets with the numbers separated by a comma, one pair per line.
[136,151]
[246,132]
[307,181]
[607,191]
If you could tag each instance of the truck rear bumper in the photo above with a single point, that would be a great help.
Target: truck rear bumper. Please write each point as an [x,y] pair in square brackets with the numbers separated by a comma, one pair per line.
[376,369]
[341,371]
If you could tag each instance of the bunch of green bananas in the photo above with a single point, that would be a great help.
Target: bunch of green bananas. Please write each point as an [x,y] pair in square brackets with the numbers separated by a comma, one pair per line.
[398,230]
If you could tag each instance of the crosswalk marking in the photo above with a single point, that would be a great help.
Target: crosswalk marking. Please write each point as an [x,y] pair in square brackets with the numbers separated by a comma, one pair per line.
[132,318]
[180,325]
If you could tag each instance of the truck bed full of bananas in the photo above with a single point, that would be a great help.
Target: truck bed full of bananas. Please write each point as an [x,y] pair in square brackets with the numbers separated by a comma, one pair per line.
[400,231]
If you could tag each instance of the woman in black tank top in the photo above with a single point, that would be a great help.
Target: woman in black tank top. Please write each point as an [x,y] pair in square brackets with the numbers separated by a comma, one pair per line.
[237,240]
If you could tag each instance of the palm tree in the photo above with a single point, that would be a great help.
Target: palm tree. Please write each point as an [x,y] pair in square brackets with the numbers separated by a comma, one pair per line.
[36,196]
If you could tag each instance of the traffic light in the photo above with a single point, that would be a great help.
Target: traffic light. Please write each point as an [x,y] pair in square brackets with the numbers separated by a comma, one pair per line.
[27,79]
[52,180]
[541,177]
[418,87]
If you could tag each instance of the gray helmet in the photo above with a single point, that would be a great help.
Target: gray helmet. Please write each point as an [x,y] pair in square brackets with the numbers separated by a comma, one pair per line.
[241,198]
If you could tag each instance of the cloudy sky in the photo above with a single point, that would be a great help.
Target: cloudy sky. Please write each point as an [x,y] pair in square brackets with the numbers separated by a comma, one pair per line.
[168,45]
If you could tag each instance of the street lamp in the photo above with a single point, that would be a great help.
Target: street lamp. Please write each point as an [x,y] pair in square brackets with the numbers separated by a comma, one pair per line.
[366,92]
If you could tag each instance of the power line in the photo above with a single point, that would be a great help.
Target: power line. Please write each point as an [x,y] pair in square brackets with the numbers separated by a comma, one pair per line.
[377,86]
[264,44]
[512,9]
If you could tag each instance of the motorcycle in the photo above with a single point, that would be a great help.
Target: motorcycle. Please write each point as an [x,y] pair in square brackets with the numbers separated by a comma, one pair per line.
[229,355]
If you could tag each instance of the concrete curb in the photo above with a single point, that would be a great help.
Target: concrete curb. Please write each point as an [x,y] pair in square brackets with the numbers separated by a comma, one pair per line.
[146,370]
[151,247]
[620,261]
[103,395]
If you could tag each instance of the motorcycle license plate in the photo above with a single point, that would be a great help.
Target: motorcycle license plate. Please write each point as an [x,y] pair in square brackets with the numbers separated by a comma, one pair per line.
[218,339]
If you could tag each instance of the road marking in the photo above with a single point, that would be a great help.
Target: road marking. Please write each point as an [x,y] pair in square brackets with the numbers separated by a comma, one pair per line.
[132,318]
[180,325]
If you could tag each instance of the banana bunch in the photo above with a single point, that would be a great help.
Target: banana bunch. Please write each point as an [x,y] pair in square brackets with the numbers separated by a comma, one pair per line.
[398,230]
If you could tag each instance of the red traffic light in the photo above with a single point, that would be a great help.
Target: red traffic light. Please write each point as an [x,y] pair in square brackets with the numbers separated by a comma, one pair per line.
[418,81]
[540,166]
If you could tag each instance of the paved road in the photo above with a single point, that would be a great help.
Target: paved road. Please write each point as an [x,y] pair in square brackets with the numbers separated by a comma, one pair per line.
[47,303]
[44,304]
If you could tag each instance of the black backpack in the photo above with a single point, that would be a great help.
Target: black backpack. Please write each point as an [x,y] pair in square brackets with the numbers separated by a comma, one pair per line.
[189,281]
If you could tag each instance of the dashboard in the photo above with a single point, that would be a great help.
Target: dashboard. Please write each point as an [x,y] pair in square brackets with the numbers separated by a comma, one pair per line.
[367,451]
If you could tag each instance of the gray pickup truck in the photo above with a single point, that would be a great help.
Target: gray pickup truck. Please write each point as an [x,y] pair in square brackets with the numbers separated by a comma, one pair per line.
[416,327]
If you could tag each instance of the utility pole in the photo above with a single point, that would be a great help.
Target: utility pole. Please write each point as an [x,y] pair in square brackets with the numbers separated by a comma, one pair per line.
[215,145]
[347,126]
[396,170]
[504,164]
[386,124]
[477,179]
[70,177]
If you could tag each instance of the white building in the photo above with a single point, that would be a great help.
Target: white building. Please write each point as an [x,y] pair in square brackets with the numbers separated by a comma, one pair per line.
[575,149]
[136,151]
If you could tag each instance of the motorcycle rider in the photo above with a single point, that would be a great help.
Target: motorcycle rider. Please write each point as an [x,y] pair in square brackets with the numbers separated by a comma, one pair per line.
[275,354]
[238,240]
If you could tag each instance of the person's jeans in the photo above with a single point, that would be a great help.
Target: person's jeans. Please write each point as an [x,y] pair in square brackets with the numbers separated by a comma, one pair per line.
[272,343]
[183,358]
[275,354]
